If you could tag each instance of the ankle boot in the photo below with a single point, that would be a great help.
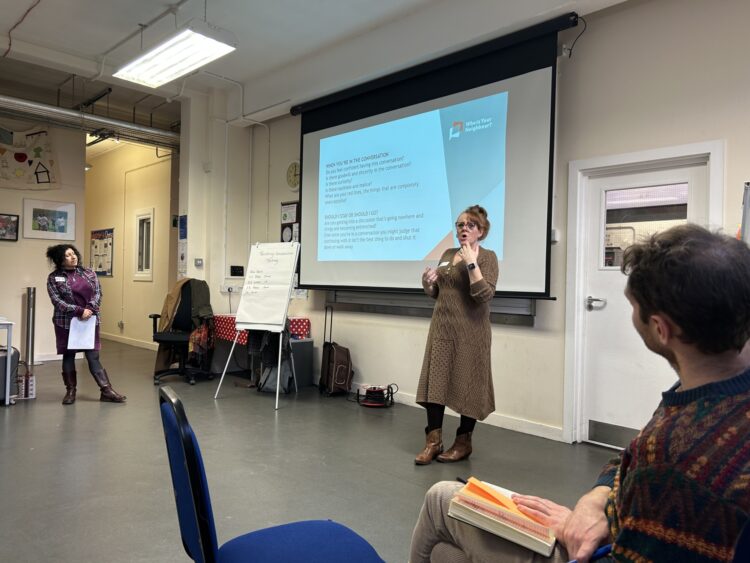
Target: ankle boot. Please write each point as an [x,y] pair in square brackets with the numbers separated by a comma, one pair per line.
[461,449]
[432,447]
[70,380]
[108,394]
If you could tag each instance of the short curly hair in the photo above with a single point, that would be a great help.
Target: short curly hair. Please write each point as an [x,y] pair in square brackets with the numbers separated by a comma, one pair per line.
[56,254]
[700,279]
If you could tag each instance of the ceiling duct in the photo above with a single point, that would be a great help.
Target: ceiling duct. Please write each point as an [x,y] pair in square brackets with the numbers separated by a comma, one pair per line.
[60,117]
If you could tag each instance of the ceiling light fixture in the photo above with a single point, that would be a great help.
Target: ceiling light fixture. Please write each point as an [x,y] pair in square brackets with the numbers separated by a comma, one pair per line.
[194,45]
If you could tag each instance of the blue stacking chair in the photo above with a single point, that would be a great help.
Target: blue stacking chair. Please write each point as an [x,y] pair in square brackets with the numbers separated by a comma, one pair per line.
[299,542]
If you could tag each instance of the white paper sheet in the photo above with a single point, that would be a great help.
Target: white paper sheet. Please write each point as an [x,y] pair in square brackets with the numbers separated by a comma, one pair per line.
[81,336]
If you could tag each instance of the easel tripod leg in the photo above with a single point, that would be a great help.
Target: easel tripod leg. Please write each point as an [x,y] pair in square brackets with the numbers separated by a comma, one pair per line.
[226,366]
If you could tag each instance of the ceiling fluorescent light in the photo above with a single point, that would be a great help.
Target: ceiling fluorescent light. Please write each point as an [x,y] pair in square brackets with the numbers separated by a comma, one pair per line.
[190,47]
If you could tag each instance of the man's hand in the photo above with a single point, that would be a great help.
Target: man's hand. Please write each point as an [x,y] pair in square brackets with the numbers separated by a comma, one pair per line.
[544,511]
[86,314]
[586,527]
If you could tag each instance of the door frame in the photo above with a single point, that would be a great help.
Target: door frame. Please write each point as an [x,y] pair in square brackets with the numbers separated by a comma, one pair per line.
[580,172]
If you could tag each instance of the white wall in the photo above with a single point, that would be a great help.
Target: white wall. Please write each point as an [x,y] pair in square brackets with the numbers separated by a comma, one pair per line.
[121,183]
[24,262]
[646,74]
[214,192]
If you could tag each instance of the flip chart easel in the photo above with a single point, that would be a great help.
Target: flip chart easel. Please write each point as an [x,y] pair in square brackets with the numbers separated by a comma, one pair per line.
[264,302]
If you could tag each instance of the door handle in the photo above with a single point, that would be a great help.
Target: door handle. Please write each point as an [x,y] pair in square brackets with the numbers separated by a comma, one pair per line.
[591,300]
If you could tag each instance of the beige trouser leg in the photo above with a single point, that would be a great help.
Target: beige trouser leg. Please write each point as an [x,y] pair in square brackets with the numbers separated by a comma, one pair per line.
[437,538]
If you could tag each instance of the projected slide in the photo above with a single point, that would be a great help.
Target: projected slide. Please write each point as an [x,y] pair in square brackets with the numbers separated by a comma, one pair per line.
[391,192]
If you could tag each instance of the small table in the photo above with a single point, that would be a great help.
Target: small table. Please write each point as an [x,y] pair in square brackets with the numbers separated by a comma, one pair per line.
[8,326]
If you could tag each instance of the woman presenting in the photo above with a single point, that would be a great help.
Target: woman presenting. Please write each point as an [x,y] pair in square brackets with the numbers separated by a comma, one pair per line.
[456,368]
[75,292]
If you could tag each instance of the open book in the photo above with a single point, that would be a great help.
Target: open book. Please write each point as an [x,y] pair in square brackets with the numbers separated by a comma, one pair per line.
[490,507]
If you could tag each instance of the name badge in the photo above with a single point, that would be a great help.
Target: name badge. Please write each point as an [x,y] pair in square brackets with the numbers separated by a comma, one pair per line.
[59,278]
[443,264]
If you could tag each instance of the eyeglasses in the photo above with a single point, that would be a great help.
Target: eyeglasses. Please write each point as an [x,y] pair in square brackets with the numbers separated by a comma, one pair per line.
[469,224]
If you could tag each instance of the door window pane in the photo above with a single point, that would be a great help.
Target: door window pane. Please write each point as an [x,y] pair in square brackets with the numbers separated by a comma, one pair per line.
[635,213]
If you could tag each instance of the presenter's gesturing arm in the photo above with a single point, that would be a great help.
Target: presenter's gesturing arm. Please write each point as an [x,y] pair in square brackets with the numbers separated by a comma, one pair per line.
[469,255]
[429,281]
[482,280]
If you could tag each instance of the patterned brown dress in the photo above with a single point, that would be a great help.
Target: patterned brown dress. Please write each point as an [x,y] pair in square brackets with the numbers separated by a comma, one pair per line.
[456,370]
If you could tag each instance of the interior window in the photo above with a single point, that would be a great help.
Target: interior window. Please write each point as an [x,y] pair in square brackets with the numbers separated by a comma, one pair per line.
[635,213]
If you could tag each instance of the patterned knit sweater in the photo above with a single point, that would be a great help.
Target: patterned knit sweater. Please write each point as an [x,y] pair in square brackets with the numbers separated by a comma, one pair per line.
[681,490]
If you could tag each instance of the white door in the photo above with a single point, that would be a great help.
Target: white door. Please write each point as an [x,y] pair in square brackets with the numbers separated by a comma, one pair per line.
[622,380]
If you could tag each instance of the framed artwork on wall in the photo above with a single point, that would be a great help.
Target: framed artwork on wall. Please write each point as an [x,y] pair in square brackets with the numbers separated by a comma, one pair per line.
[49,219]
[8,227]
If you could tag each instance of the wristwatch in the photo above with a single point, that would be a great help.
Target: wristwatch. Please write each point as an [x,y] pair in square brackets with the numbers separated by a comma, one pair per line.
[471,266]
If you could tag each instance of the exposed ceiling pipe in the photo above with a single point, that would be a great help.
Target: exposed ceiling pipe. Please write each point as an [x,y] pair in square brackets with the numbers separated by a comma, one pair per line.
[92,100]
[23,109]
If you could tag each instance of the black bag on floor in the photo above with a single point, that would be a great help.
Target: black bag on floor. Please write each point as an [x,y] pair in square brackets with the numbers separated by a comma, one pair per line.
[14,356]
[336,371]
[269,379]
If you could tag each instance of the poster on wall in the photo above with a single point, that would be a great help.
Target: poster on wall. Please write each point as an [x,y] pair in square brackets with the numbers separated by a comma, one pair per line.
[182,246]
[101,252]
[290,221]
[27,160]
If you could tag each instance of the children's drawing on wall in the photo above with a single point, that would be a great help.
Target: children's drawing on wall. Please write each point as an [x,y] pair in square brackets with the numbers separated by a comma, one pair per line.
[27,160]
[101,252]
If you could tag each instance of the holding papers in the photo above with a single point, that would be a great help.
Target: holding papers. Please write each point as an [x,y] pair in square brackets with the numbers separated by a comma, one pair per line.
[490,508]
[81,336]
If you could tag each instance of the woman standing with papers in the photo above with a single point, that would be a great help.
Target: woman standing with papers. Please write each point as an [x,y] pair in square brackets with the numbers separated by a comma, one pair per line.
[75,293]
[456,368]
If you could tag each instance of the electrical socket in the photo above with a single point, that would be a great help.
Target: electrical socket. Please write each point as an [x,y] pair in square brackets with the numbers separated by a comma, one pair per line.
[231,288]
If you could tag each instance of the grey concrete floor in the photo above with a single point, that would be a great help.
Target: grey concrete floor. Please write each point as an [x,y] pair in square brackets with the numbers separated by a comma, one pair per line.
[90,482]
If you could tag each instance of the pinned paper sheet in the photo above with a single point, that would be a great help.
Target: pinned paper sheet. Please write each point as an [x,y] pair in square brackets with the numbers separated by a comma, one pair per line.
[81,336]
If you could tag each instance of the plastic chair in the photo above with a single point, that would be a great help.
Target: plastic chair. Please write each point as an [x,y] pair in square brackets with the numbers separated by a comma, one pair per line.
[299,542]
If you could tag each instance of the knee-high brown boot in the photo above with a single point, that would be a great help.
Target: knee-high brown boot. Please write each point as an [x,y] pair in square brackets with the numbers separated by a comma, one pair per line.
[70,380]
[108,394]
[433,446]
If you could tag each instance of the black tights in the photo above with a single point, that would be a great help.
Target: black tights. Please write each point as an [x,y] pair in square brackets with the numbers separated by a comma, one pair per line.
[435,419]
[92,357]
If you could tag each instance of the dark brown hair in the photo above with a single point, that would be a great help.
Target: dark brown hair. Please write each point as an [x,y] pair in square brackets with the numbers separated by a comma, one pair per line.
[700,279]
[478,214]
[56,254]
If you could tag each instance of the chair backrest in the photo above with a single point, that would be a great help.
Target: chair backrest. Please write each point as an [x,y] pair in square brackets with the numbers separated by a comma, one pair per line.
[183,320]
[193,501]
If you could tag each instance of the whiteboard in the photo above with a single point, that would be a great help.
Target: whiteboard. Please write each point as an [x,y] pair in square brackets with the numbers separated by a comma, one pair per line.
[268,284]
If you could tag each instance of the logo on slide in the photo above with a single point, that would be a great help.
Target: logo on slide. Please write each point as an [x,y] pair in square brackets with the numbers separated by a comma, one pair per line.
[456,129]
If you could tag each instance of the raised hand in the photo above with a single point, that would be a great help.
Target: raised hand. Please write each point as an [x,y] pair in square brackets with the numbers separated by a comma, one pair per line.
[429,276]
[468,254]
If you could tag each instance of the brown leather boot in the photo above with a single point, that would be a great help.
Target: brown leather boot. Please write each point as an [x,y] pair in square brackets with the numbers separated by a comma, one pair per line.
[432,447]
[108,394]
[70,380]
[461,449]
